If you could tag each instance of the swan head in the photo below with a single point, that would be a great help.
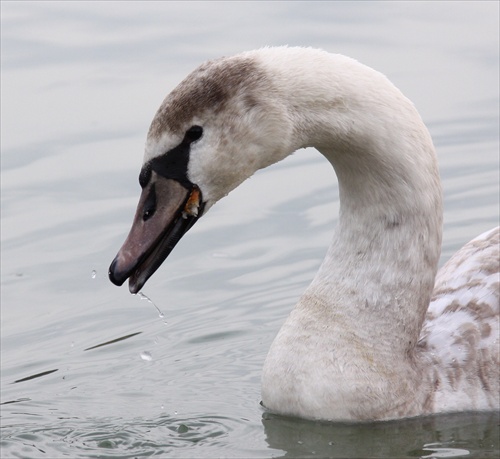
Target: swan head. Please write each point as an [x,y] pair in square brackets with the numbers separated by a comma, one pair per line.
[219,126]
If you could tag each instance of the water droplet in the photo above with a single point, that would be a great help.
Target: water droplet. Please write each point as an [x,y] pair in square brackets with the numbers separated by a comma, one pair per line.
[143,297]
[93,274]
[160,313]
[300,442]
[146,356]
[331,443]
[175,412]
[162,407]
[72,344]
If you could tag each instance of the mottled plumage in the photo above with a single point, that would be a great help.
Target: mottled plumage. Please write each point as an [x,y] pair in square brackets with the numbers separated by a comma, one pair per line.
[461,332]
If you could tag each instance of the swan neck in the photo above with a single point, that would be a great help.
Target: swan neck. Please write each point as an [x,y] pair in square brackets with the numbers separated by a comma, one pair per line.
[383,258]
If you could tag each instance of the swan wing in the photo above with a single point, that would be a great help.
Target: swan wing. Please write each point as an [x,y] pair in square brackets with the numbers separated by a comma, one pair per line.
[461,330]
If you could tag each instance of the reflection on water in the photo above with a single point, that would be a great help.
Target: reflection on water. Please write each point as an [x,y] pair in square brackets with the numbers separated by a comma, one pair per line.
[91,371]
[455,435]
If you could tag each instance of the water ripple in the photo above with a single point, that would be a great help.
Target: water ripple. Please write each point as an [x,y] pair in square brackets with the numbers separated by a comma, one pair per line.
[119,438]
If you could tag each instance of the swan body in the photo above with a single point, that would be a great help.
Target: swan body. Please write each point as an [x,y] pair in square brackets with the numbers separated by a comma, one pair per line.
[375,336]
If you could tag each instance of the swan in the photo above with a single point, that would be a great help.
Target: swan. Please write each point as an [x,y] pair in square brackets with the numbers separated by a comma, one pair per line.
[376,335]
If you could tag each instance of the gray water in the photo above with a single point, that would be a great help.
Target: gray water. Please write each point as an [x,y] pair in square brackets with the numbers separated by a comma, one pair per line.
[89,370]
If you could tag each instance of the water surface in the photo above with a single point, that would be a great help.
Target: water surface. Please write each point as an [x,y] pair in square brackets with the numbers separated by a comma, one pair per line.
[89,370]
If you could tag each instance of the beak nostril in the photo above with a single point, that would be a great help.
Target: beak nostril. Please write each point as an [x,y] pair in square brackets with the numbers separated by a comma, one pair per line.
[150,204]
[148,214]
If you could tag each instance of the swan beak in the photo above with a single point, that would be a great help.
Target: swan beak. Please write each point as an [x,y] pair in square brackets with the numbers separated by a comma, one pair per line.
[166,211]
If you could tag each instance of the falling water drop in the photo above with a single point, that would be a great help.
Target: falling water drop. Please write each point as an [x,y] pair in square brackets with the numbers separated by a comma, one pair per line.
[160,313]
[93,274]
[145,355]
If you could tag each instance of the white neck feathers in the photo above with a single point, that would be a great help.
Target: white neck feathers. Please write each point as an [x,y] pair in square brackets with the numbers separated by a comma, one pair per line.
[370,296]
[386,248]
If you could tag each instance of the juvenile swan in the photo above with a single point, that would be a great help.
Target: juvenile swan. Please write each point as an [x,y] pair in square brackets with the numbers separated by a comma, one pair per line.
[371,338]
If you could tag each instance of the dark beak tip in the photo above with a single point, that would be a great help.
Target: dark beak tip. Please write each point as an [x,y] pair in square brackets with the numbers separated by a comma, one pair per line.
[115,277]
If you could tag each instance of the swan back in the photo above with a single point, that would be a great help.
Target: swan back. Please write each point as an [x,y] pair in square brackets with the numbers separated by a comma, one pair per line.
[461,333]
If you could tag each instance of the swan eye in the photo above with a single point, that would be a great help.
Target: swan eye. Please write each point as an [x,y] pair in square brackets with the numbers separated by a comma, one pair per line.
[194,133]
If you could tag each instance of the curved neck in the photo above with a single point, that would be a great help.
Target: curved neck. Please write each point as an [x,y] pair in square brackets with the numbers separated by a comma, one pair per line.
[380,268]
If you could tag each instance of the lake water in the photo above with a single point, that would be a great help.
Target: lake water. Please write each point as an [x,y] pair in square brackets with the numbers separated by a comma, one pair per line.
[89,370]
